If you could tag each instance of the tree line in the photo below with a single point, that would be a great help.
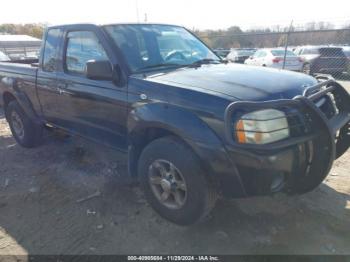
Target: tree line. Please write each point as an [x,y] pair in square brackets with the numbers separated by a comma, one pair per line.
[34,30]
[321,33]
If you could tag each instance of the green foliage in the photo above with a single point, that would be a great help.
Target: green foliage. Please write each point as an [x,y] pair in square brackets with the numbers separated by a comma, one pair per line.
[320,33]
[34,30]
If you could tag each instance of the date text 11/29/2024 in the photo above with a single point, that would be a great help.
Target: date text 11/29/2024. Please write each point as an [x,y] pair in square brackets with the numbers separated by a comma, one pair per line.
[174,258]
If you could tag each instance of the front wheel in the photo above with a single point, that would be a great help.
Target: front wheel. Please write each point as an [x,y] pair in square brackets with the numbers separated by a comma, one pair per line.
[26,132]
[174,183]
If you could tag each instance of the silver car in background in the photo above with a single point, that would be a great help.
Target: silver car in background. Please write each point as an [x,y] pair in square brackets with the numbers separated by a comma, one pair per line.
[4,57]
[275,58]
[322,59]
[239,55]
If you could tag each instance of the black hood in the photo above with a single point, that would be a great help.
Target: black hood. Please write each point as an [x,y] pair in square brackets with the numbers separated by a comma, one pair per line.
[239,81]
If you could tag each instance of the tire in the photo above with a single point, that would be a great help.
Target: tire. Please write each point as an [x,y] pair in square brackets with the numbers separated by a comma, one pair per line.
[199,197]
[25,131]
[306,69]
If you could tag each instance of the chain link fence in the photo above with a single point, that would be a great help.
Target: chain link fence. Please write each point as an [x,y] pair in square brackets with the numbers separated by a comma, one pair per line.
[325,51]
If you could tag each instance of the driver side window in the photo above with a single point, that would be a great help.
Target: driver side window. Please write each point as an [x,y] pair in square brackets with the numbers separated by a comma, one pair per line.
[82,46]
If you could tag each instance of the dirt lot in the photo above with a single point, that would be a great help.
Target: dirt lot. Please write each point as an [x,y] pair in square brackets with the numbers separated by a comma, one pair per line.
[39,212]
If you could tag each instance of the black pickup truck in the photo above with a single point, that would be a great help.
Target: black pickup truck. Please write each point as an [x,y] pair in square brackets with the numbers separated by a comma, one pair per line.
[194,128]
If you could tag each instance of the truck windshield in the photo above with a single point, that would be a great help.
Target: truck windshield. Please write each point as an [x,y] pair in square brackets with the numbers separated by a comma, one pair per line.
[148,47]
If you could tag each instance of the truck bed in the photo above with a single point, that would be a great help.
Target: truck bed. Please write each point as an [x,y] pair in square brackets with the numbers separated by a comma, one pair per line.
[26,68]
[18,78]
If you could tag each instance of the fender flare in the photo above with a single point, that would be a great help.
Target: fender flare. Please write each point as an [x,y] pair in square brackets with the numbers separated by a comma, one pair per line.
[20,97]
[172,119]
[176,120]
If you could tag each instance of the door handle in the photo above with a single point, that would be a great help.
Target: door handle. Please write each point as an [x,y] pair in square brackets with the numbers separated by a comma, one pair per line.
[64,92]
[62,89]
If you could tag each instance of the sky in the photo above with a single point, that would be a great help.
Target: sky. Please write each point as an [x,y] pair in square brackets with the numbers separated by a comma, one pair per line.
[199,14]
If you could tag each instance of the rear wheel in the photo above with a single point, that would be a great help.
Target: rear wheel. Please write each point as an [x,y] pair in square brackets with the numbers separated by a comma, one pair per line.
[174,183]
[306,69]
[26,132]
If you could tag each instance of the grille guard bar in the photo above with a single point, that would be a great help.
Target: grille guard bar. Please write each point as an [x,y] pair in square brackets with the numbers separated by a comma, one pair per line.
[327,139]
[310,95]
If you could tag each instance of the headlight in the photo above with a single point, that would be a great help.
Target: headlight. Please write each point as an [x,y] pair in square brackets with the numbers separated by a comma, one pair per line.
[262,127]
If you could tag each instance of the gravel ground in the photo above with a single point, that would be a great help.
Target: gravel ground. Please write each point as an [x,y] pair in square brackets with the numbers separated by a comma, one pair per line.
[40,212]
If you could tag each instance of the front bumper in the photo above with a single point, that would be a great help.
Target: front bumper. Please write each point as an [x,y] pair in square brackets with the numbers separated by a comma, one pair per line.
[300,163]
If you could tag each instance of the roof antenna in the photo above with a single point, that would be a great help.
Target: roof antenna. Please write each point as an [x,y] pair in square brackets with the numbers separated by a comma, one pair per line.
[137,11]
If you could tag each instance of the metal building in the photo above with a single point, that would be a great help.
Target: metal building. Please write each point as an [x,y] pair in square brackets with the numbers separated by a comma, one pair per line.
[19,47]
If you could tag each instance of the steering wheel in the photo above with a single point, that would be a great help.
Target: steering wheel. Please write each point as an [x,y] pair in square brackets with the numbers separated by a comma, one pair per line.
[173,54]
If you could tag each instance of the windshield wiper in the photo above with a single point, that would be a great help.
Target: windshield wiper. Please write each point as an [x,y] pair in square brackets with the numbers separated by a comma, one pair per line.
[159,65]
[194,64]
[205,61]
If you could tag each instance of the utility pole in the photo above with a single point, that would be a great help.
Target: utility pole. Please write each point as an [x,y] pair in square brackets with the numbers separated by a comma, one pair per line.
[286,46]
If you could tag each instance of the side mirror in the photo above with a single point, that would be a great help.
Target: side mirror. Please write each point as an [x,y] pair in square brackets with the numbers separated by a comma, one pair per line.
[99,70]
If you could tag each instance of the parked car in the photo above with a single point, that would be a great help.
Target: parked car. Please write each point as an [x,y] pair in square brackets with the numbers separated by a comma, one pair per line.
[322,59]
[191,128]
[346,50]
[240,55]
[275,58]
[222,52]
[4,57]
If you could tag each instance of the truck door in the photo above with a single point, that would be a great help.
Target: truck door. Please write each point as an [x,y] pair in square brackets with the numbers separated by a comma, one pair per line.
[96,109]
[47,75]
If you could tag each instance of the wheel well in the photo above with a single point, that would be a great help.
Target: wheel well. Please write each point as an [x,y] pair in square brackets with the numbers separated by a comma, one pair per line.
[7,98]
[139,140]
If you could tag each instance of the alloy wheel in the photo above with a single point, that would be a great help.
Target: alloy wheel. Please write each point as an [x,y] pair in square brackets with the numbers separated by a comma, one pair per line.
[167,184]
[17,125]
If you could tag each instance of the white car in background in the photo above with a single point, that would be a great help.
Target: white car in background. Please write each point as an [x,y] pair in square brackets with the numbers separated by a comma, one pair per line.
[3,57]
[274,58]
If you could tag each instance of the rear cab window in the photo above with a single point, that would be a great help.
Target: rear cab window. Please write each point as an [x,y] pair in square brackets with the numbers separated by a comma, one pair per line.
[50,53]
